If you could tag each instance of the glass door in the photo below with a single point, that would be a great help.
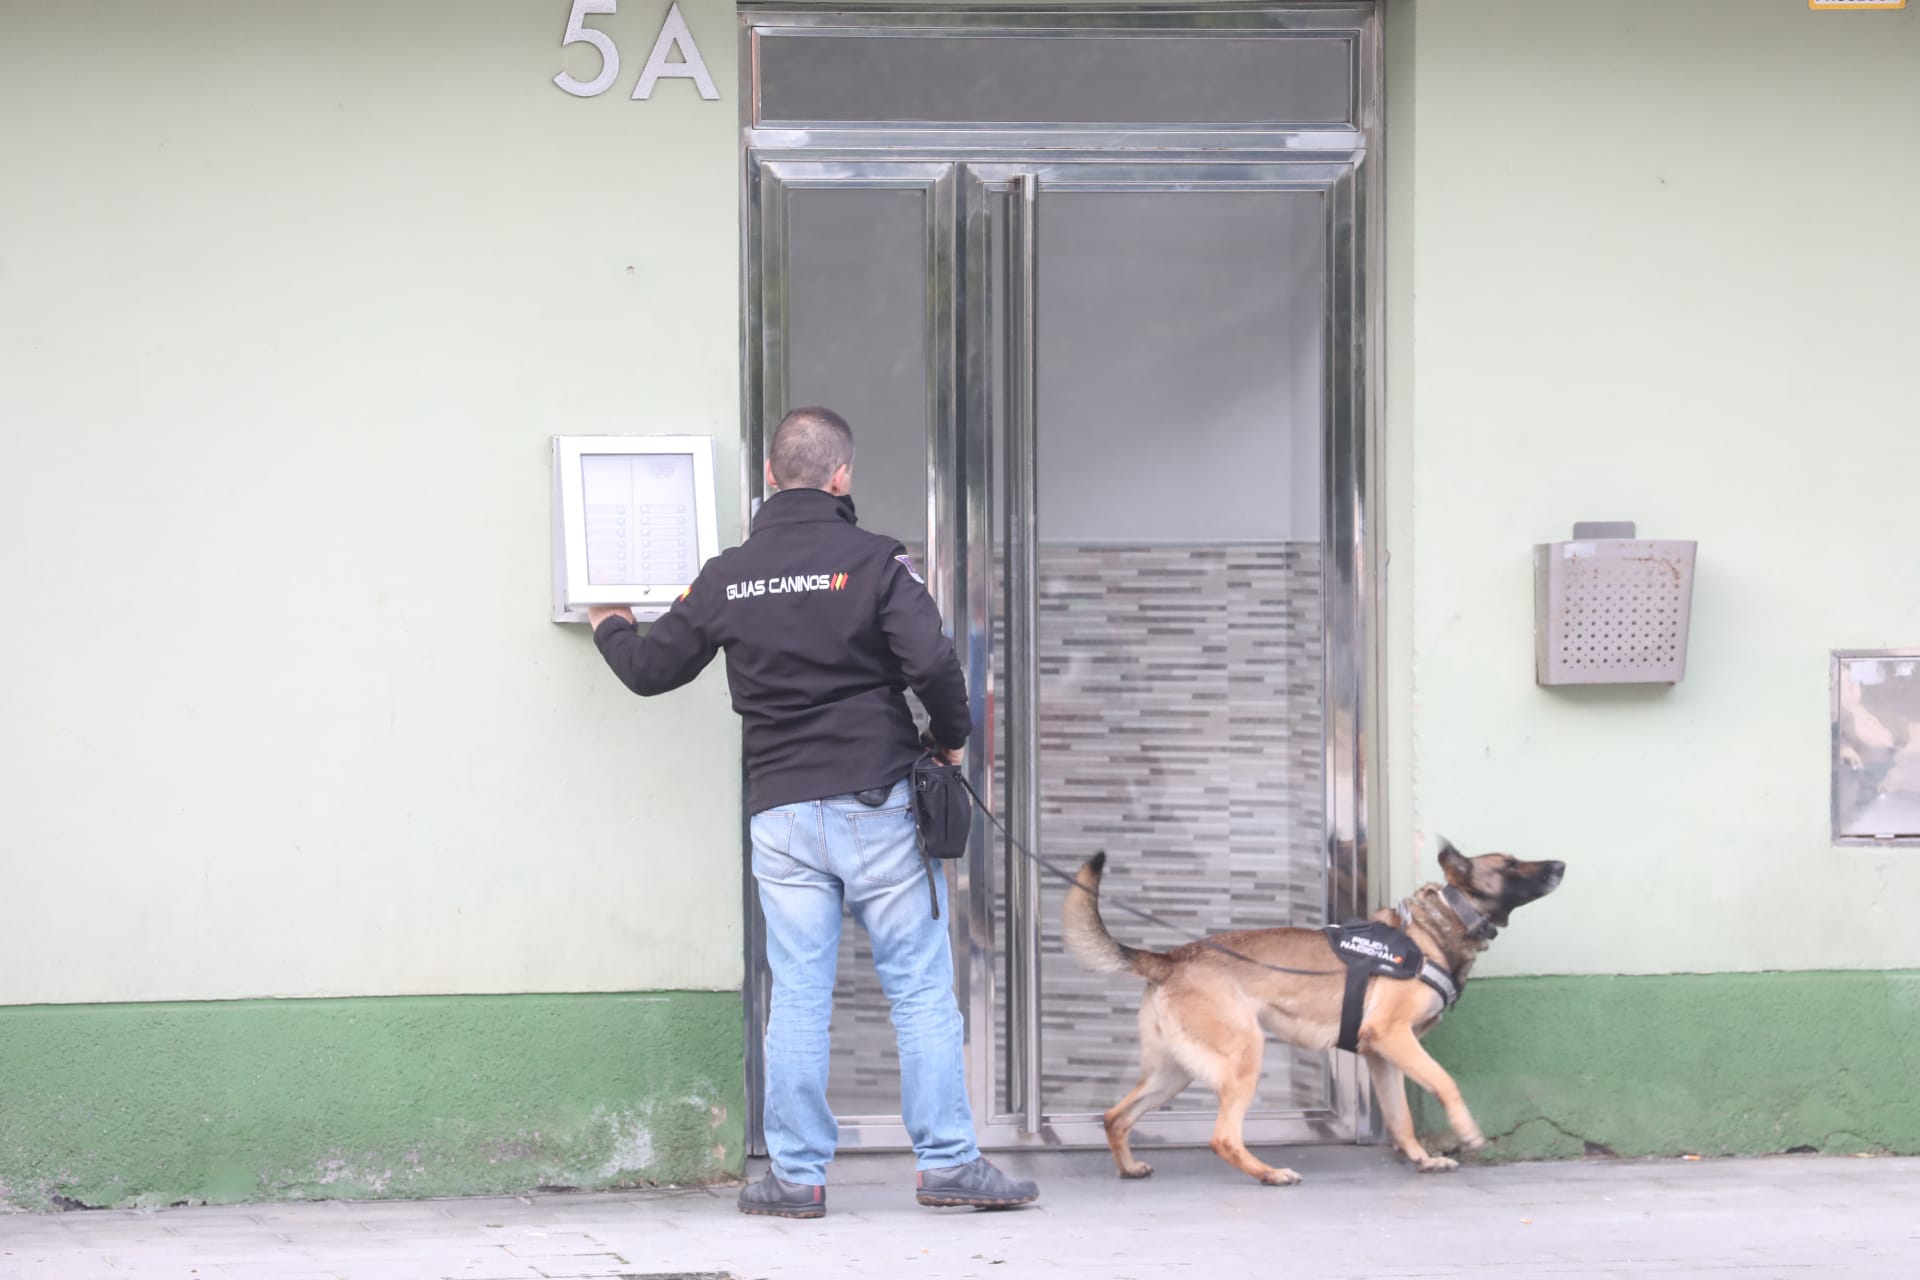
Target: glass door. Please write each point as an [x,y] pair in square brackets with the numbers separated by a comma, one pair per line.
[1159,402]
[1114,405]
[1164,393]
[851,306]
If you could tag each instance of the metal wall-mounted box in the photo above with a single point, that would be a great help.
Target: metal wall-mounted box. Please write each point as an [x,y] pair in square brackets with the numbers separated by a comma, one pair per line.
[1611,608]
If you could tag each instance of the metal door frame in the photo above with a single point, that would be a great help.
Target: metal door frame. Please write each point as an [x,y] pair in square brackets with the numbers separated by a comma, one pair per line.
[958,168]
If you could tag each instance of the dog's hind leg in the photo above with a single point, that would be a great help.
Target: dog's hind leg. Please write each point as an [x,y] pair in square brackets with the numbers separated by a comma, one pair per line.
[1390,1091]
[1161,1076]
[1402,1048]
[1160,1079]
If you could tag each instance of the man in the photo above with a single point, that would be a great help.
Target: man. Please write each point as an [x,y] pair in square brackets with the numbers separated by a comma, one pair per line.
[825,626]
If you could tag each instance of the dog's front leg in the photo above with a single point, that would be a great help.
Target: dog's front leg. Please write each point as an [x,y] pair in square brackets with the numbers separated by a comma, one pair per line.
[1238,1079]
[1402,1048]
[1390,1092]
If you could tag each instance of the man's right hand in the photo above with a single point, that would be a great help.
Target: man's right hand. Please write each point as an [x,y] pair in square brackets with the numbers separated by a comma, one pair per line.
[945,755]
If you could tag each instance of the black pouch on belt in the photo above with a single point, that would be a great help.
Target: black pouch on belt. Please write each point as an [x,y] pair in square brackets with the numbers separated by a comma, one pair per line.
[942,815]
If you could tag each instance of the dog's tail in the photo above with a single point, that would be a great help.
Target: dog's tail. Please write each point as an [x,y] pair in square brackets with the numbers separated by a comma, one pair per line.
[1087,937]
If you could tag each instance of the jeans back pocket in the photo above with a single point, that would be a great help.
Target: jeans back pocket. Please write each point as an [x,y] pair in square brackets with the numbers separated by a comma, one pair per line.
[885,842]
[772,833]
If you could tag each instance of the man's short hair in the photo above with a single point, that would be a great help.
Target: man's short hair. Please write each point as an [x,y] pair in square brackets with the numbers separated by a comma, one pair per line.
[808,446]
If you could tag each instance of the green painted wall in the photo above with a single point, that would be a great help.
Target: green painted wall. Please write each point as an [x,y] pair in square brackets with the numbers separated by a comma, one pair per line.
[1711,1064]
[152,1104]
[291,301]
[1614,297]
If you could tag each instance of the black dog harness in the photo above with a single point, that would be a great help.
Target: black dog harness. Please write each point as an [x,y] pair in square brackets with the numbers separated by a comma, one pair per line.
[1372,949]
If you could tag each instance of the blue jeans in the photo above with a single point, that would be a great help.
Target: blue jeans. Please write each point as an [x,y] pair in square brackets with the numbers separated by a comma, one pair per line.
[808,858]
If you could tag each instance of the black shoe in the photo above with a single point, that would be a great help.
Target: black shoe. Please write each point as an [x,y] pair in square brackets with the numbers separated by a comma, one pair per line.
[775,1197]
[976,1183]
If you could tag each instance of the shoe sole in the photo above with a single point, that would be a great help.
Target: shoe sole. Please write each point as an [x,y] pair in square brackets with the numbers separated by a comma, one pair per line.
[810,1212]
[936,1201]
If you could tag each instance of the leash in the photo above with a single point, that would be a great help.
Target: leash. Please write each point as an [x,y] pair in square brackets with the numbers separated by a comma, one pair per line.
[1122,904]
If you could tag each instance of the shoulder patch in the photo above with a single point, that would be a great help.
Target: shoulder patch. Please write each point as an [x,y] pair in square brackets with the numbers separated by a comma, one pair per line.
[906,562]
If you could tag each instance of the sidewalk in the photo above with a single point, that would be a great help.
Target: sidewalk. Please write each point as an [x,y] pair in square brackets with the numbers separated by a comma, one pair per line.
[1359,1214]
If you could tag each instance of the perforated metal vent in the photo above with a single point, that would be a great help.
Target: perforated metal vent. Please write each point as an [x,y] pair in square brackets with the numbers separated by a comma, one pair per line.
[1612,611]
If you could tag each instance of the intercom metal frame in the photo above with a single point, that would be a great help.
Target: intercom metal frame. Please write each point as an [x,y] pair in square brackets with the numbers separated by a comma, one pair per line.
[571,591]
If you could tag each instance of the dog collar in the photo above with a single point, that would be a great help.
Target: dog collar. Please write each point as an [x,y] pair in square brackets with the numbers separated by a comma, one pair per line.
[1432,974]
[1476,924]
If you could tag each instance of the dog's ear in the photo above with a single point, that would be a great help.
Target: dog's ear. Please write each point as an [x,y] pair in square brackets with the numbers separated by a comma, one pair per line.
[1454,865]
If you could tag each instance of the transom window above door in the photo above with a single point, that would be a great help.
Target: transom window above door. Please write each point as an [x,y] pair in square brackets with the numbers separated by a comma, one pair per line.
[1182,69]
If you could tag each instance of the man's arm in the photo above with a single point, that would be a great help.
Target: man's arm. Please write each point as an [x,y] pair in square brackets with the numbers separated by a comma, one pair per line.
[674,650]
[911,622]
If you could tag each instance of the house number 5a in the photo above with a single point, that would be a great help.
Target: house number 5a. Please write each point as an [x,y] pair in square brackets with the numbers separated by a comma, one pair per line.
[673,33]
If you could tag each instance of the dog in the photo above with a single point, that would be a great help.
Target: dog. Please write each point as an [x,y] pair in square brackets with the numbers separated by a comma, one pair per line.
[1205,1010]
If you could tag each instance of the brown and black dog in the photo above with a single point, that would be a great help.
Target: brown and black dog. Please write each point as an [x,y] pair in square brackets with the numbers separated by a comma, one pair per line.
[1205,1010]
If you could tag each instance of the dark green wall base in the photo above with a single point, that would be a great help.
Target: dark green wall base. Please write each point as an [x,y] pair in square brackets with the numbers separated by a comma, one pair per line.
[1713,1064]
[153,1104]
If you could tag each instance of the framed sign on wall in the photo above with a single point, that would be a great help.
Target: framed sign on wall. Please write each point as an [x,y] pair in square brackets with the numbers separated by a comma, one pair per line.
[1876,746]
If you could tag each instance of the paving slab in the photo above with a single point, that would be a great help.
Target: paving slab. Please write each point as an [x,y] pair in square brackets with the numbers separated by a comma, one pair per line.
[1360,1213]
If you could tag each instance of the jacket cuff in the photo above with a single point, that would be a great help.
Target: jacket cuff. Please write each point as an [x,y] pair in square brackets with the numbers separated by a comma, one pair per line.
[609,625]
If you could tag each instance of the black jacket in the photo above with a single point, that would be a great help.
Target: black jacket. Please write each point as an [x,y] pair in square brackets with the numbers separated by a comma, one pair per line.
[825,627]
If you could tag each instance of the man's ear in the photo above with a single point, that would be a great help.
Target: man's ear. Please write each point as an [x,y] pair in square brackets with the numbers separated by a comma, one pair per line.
[1454,865]
[772,484]
[841,481]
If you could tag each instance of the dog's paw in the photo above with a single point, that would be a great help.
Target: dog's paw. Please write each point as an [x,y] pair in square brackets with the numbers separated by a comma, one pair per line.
[1475,1143]
[1138,1169]
[1280,1177]
[1436,1164]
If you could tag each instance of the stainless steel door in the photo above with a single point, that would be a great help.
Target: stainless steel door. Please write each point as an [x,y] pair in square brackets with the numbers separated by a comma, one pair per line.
[850,305]
[1118,405]
[1167,398]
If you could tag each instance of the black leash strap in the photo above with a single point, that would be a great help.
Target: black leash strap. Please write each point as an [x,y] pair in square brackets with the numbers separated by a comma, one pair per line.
[1129,908]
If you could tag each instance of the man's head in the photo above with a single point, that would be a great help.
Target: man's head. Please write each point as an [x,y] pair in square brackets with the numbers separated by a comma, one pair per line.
[812,449]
